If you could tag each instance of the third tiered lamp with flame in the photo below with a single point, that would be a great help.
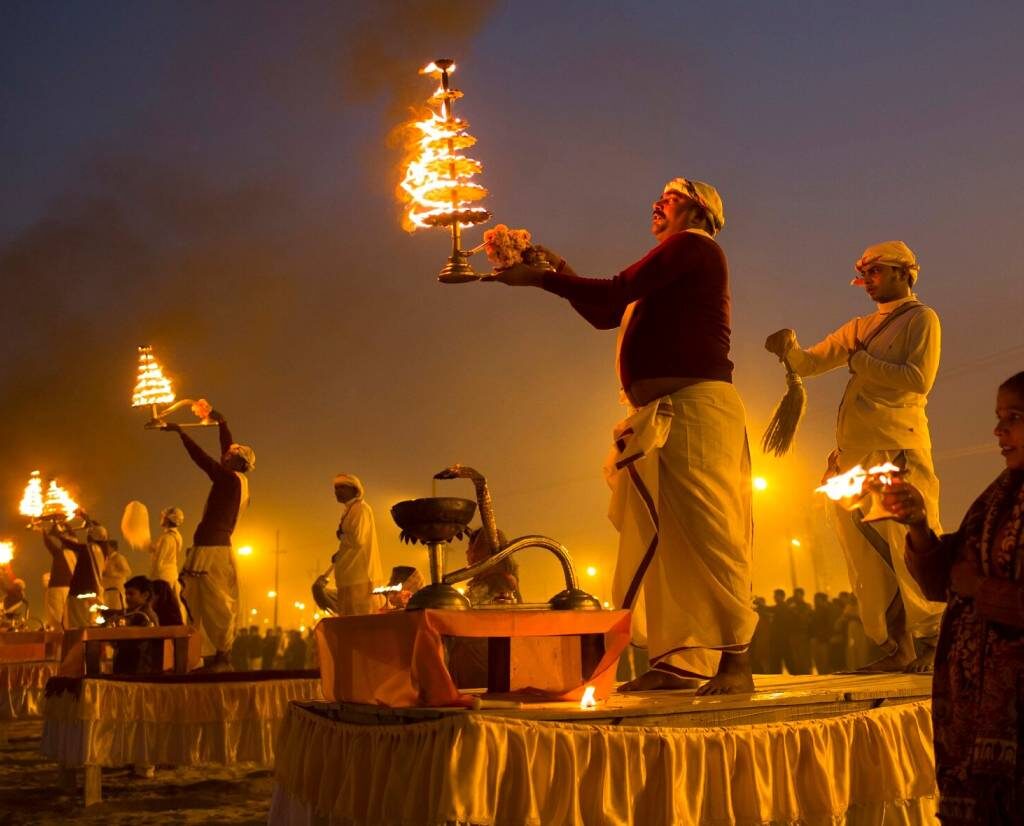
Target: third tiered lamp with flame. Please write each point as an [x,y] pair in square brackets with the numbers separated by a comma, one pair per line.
[437,182]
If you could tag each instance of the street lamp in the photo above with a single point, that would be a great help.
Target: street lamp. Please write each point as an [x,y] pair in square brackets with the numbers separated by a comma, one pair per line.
[793,545]
[760,483]
[591,570]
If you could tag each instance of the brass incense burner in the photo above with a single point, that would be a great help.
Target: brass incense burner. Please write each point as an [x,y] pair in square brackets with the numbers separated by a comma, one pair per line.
[436,521]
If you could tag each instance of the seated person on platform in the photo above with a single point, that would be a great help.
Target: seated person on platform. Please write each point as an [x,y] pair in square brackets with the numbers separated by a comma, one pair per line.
[499,585]
[467,656]
[15,606]
[977,704]
[411,581]
[138,656]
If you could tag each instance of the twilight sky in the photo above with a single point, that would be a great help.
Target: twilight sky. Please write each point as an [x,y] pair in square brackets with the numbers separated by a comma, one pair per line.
[218,180]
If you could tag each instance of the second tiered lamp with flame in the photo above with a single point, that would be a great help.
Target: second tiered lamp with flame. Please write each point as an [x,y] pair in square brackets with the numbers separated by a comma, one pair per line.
[437,182]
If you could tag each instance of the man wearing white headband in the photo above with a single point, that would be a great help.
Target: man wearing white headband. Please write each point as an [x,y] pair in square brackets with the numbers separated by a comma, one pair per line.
[679,467]
[893,356]
[210,576]
[357,566]
[85,586]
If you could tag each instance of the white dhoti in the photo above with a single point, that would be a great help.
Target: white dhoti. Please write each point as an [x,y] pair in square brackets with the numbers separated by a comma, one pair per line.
[874,551]
[211,595]
[679,471]
[55,607]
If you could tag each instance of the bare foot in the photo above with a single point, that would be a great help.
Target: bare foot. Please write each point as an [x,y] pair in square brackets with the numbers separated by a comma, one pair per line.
[733,677]
[655,680]
[923,663]
[894,663]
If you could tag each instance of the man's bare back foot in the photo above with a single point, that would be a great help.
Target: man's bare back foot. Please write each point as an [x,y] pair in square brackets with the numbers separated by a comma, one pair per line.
[924,662]
[657,680]
[895,663]
[733,677]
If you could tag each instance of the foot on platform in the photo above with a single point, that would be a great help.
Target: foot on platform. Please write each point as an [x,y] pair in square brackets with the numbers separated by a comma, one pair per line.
[656,680]
[895,663]
[924,662]
[733,677]
[216,664]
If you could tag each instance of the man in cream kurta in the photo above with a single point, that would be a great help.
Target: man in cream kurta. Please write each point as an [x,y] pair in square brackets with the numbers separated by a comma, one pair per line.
[357,566]
[893,356]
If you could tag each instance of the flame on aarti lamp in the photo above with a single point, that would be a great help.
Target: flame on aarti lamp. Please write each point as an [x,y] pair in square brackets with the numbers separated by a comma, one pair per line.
[32,499]
[588,701]
[151,386]
[58,502]
[850,485]
[437,183]
[6,552]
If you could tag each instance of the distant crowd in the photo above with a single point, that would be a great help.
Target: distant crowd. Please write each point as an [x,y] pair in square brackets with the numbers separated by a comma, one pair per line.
[794,636]
[276,649]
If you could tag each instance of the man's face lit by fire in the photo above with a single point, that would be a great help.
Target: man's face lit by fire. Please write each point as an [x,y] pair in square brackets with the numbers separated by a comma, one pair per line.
[884,283]
[134,598]
[1009,428]
[670,214]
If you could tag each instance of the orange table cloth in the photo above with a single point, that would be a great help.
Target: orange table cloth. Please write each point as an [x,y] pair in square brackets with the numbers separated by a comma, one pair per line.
[397,659]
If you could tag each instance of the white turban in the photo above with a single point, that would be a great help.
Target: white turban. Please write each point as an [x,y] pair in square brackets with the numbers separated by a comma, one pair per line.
[97,533]
[891,254]
[173,515]
[704,195]
[245,453]
[349,479]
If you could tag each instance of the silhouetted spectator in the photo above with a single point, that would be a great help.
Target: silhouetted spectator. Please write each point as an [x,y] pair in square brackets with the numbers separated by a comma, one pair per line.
[294,657]
[778,648]
[800,615]
[822,624]
[760,645]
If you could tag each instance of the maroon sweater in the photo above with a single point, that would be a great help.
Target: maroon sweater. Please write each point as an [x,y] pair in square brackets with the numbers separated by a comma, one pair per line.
[681,324]
[221,510]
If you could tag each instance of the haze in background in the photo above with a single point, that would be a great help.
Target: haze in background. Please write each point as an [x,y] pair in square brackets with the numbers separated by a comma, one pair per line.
[218,181]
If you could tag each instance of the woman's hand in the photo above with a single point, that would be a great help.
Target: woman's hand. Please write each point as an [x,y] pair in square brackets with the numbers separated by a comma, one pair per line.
[518,275]
[903,501]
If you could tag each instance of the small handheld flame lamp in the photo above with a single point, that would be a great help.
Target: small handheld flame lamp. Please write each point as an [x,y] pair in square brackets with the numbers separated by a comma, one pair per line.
[153,388]
[859,488]
[6,552]
[437,178]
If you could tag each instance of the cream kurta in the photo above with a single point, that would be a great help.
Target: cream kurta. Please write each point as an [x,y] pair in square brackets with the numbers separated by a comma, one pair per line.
[357,565]
[164,554]
[882,418]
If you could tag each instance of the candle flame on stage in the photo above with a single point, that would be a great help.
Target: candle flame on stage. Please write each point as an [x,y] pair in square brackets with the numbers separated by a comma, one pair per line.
[6,552]
[437,185]
[151,386]
[588,701]
[32,499]
[849,486]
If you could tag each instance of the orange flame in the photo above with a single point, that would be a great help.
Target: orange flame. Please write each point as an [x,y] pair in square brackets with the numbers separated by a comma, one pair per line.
[436,185]
[588,701]
[58,502]
[850,485]
[31,504]
[151,386]
[6,552]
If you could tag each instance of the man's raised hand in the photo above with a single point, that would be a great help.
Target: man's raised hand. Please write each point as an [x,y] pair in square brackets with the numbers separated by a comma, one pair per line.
[780,342]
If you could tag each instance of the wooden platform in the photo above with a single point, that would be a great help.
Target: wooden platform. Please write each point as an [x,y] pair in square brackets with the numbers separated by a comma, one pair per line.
[779,698]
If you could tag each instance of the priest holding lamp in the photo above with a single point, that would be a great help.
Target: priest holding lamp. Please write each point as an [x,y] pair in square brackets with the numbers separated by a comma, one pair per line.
[210,576]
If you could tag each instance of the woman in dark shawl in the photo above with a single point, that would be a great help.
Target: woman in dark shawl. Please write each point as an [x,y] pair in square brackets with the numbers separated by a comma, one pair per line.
[978,688]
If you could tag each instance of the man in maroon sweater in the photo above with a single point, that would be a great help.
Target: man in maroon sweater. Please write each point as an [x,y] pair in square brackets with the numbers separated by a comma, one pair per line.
[210,577]
[679,467]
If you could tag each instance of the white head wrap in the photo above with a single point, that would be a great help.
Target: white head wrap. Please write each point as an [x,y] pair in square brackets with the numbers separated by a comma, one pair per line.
[97,533]
[705,196]
[245,453]
[173,515]
[349,479]
[888,253]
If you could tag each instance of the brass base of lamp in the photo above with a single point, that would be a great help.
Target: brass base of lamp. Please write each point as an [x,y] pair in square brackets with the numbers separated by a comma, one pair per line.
[574,599]
[457,270]
[438,595]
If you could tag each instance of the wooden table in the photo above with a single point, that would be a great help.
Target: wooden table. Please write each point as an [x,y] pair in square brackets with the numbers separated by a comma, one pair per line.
[83,647]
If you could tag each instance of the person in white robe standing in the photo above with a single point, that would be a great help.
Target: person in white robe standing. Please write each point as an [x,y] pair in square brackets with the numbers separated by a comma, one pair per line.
[893,356]
[357,565]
